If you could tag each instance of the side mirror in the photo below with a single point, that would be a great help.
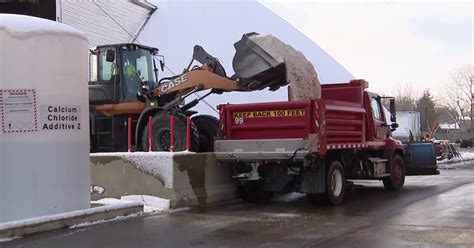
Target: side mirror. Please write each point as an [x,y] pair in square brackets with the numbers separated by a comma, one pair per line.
[110,55]
[162,65]
[393,126]
[393,111]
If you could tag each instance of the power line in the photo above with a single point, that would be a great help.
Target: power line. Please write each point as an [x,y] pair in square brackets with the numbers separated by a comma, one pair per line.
[116,22]
[172,72]
[205,102]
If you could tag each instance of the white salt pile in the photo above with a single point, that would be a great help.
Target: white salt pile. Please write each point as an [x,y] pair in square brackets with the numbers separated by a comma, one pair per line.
[300,73]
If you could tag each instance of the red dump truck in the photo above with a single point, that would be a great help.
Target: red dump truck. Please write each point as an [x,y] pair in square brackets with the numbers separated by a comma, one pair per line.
[315,146]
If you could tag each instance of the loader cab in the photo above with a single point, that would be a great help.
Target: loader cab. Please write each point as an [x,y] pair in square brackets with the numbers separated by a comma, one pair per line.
[118,71]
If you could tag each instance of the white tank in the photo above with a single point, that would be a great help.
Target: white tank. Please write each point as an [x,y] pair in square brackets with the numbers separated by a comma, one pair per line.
[44,126]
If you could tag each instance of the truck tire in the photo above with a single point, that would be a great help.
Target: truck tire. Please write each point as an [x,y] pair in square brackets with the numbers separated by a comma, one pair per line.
[208,128]
[335,186]
[397,174]
[335,183]
[161,133]
[250,191]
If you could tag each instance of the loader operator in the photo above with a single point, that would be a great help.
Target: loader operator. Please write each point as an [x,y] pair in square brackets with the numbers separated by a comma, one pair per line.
[132,79]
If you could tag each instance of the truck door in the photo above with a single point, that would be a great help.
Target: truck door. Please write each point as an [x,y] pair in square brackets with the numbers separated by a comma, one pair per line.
[381,129]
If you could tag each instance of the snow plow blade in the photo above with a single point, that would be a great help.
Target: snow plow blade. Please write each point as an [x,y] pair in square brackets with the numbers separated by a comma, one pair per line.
[255,67]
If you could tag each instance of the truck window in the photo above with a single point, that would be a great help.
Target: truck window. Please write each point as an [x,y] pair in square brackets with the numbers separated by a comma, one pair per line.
[376,109]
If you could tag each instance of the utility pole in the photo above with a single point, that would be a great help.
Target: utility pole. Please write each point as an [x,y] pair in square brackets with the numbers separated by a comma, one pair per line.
[471,103]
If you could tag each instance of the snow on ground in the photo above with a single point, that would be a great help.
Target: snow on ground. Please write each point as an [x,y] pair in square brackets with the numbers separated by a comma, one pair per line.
[67,215]
[9,239]
[73,214]
[158,164]
[118,218]
[151,204]
[455,162]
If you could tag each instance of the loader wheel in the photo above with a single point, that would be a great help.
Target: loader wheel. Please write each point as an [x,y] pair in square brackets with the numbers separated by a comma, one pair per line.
[250,191]
[161,133]
[335,186]
[397,174]
[208,128]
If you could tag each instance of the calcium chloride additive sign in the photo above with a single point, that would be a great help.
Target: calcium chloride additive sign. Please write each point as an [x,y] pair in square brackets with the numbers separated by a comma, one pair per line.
[18,110]
[60,117]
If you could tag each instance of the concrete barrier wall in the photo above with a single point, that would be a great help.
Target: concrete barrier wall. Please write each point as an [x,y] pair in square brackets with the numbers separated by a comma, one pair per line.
[187,179]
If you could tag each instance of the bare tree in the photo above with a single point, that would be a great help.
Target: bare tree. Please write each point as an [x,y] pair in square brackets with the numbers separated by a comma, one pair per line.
[426,105]
[457,97]
[405,96]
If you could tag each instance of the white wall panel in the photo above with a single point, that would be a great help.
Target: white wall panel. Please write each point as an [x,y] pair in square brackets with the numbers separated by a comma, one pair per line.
[99,28]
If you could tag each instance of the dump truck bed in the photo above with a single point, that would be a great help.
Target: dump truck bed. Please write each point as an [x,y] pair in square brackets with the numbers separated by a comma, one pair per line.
[291,129]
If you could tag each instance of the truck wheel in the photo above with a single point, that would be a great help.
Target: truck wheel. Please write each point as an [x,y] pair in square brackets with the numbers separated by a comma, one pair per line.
[161,133]
[335,186]
[335,183]
[208,128]
[250,191]
[397,174]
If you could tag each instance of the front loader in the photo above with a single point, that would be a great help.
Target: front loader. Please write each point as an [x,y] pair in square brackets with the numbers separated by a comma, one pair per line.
[124,86]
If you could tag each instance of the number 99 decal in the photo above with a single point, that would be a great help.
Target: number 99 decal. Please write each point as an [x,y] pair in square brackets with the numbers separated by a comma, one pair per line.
[239,120]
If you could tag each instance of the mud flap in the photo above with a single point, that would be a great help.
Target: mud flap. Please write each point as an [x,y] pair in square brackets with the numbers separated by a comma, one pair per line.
[276,179]
[313,180]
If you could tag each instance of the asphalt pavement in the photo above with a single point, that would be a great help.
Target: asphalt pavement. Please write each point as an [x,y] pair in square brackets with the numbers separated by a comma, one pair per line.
[431,211]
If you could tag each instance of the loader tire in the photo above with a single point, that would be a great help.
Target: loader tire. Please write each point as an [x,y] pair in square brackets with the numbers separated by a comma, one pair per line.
[161,133]
[208,128]
[397,174]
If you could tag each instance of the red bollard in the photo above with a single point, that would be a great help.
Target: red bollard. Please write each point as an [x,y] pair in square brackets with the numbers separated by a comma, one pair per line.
[172,134]
[150,132]
[129,134]
[188,134]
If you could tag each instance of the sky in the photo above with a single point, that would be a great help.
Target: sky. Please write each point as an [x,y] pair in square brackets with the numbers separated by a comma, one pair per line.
[389,43]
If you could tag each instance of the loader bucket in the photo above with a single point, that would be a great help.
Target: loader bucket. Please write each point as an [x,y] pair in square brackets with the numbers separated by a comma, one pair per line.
[255,67]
